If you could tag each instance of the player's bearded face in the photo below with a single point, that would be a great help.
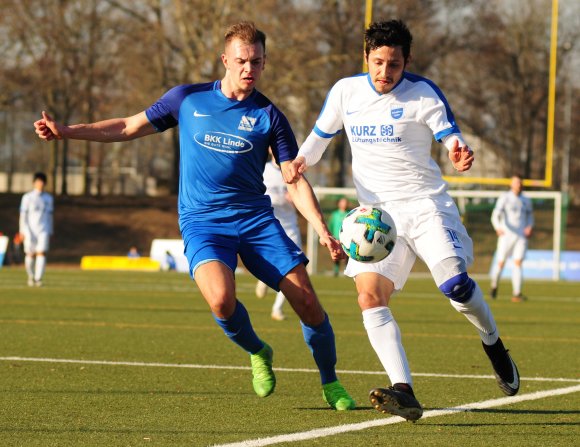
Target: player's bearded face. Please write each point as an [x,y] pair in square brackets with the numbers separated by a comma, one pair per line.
[386,66]
[244,63]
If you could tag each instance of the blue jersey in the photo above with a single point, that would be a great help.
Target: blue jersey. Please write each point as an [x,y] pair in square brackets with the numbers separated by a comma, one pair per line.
[223,147]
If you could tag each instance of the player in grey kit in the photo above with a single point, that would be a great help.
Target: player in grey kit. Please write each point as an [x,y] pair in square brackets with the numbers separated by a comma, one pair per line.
[513,221]
[36,226]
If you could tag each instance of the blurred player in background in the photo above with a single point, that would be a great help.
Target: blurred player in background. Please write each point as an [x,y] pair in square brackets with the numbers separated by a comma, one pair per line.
[36,227]
[335,224]
[285,212]
[513,221]
[226,128]
[391,117]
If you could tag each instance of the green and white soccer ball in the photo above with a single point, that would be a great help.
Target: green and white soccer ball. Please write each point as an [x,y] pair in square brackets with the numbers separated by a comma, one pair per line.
[368,234]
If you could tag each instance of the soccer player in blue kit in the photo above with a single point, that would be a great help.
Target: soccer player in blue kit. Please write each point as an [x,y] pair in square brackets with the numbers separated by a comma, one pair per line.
[226,128]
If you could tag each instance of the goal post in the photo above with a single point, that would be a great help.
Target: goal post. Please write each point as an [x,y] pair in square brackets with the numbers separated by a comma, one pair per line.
[463,198]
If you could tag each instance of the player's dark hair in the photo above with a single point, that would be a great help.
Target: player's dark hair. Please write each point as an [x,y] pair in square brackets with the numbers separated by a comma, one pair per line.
[39,176]
[392,33]
[246,32]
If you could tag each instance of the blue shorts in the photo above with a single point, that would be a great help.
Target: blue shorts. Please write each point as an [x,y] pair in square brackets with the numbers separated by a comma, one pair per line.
[257,236]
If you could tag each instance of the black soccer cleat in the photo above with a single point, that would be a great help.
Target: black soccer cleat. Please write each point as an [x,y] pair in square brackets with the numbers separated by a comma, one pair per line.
[400,403]
[493,293]
[505,369]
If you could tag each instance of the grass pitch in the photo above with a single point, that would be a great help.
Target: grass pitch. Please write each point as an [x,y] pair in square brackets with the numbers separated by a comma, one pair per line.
[133,359]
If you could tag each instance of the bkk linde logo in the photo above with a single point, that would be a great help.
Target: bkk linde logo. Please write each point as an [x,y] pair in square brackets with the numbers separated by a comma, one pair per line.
[223,142]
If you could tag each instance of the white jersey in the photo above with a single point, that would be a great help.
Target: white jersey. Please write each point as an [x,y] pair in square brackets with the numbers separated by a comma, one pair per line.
[390,135]
[512,213]
[283,208]
[36,210]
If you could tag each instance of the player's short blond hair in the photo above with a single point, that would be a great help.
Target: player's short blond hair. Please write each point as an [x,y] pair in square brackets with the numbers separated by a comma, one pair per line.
[246,32]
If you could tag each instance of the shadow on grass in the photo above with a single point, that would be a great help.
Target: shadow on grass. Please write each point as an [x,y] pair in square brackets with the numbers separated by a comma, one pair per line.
[237,394]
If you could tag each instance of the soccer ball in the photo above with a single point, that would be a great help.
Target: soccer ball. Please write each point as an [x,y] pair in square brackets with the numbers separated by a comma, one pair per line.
[368,234]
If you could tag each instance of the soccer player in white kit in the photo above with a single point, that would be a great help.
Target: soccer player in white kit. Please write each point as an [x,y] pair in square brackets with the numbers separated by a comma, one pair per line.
[390,117]
[285,212]
[513,220]
[36,224]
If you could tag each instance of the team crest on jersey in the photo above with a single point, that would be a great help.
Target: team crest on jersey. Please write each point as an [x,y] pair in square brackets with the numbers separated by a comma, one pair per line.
[247,123]
[396,111]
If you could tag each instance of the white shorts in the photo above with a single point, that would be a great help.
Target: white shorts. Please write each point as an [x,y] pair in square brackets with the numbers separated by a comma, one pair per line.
[511,244]
[36,243]
[430,228]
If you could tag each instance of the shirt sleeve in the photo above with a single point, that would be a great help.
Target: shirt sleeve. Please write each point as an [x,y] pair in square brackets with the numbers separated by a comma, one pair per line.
[497,213]
[313,148]
[164,114]
[282,139]
[329,122]
[23,220]
[529,214]
[50,214]
[436,113]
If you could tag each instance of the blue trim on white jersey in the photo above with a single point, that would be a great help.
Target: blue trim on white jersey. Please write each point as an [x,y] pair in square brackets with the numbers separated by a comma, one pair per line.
[323,134]
[373,85]
[439,136]
[411,77]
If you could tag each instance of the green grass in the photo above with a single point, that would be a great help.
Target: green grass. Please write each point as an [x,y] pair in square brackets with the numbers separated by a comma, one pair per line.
[161,318]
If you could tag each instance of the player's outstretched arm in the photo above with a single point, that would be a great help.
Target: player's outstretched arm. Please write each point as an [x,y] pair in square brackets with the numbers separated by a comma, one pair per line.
[107,131]
[461,156]
[306,202]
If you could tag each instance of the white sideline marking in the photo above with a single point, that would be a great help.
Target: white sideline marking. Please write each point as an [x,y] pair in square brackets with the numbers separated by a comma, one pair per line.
[233,367]
[330,431]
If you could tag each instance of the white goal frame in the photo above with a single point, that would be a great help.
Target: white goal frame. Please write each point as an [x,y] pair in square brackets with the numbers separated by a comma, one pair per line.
[460,196]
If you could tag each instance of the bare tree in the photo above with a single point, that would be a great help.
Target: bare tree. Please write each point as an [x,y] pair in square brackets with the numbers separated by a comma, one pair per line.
[500,79]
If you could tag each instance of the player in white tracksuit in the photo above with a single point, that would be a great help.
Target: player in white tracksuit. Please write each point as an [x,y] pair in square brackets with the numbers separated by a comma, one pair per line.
[36,225]
[390,117]
[285,212]
[513,220]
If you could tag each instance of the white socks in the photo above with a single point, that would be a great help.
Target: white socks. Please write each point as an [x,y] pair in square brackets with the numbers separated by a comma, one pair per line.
[385,338]
[278,302]
[495,275]
[29,265]
[40,264]
[478,313]
[516,279]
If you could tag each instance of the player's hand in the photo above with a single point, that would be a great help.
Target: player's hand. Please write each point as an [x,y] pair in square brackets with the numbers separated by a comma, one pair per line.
[47,128]
[461,156]
[527,231]
[293,170]
[499,232]
[334,247]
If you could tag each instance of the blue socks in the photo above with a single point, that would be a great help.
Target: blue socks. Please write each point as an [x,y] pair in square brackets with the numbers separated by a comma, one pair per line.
[239,329]
[320,340]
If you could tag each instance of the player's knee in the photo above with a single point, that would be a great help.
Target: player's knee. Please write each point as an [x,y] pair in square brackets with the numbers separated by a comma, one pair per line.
[458,288]
[369,300]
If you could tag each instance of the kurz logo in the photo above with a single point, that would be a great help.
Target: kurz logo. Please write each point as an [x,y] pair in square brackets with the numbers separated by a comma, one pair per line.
[223,142]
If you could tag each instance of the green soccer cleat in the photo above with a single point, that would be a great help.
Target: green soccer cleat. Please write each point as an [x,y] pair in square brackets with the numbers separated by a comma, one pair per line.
[337,397]
[264,380]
